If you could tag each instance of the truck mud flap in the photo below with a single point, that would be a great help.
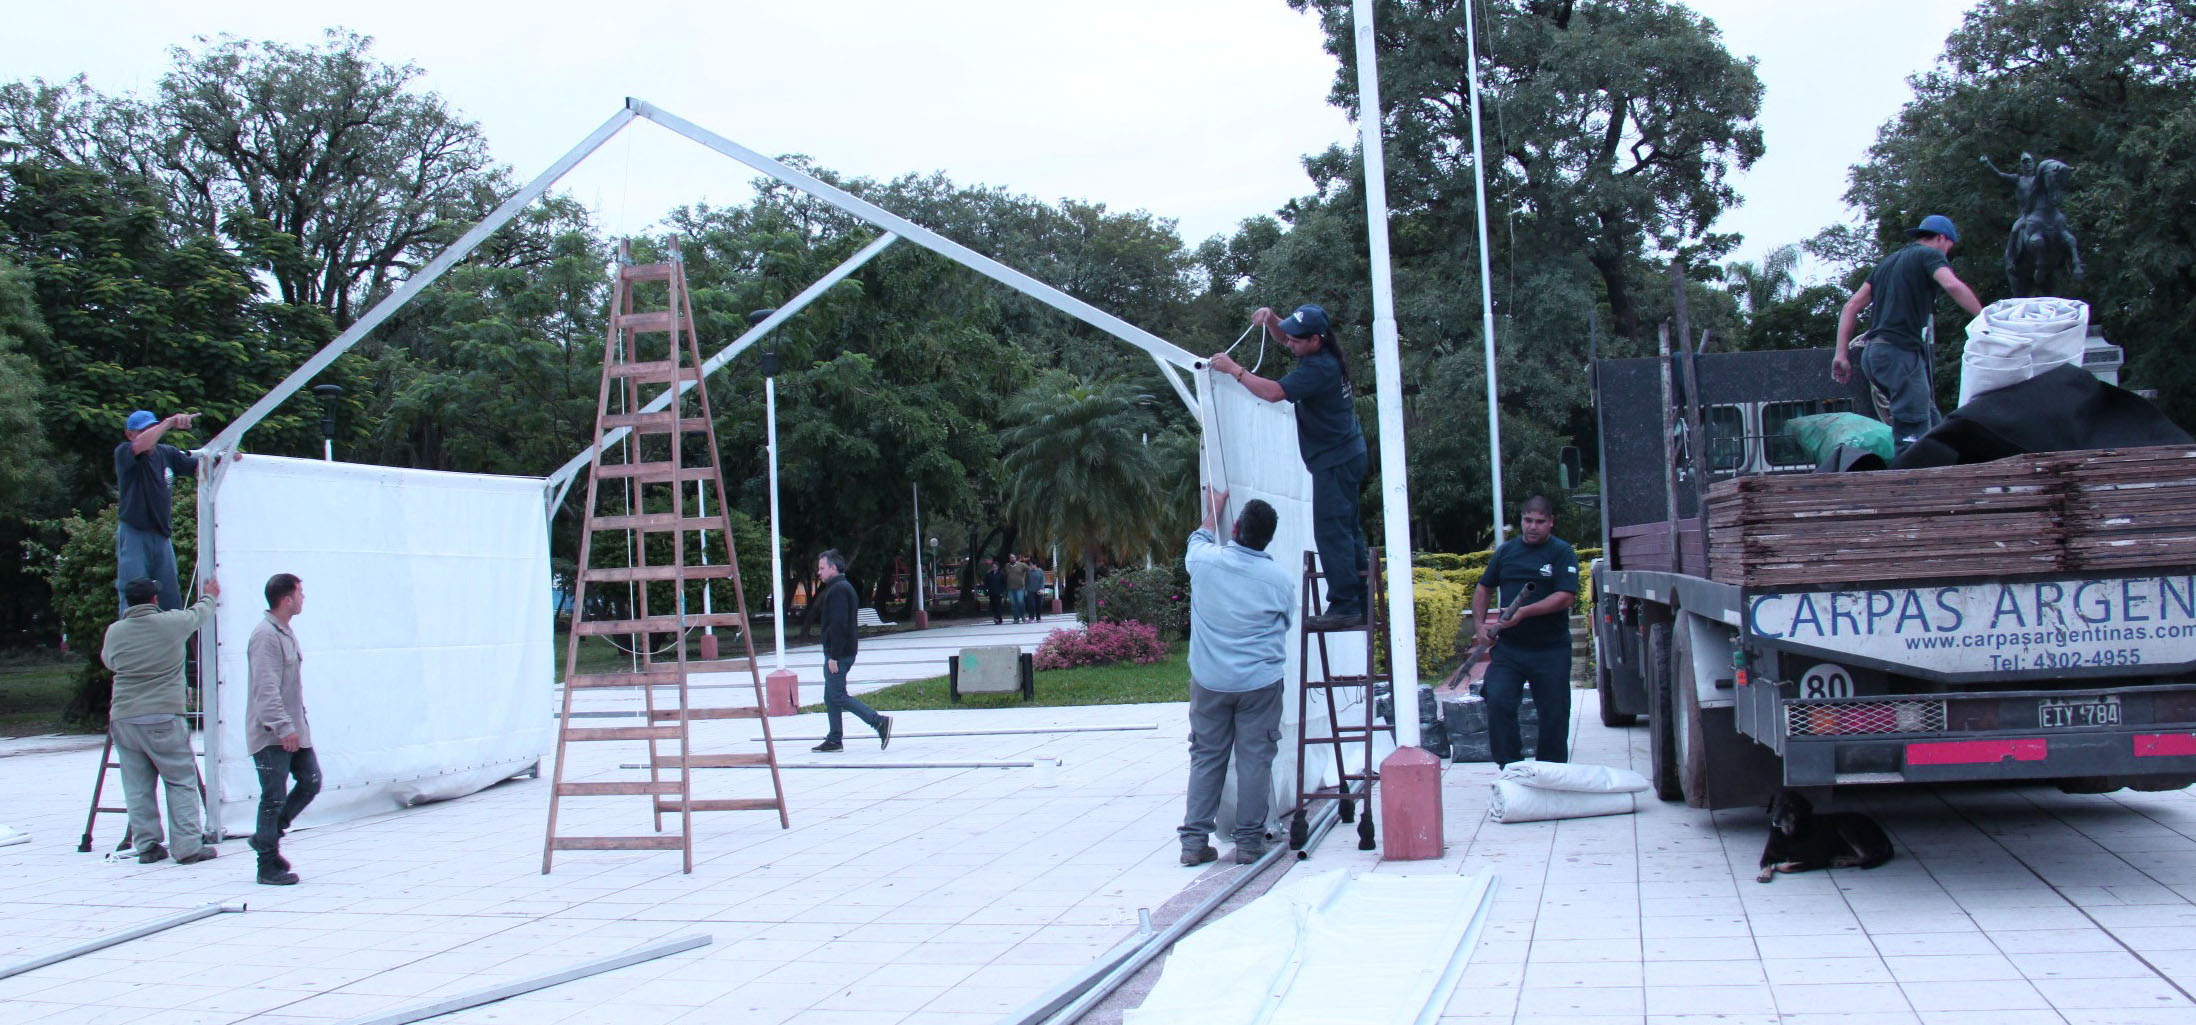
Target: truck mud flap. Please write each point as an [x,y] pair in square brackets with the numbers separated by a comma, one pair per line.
[1974,757]
[1741,773]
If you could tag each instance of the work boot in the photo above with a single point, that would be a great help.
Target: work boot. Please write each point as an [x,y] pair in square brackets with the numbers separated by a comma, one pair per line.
[884,732]
[1203,854]
[1246,854]
[202,854]
[152,854]
[271,855]
[828,746]
[274,870]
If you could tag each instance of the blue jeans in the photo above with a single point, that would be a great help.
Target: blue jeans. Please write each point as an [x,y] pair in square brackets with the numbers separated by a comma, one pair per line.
[1335,529]
[1508,673]
[1016,603]
[837,701]
[279,801]
[144,553]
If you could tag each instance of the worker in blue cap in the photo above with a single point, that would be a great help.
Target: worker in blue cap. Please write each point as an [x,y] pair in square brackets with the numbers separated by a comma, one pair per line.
[144,471]
[1894,359]
[1332,446]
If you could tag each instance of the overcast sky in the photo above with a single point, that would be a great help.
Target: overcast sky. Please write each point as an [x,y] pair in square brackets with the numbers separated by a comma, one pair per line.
[1200,111]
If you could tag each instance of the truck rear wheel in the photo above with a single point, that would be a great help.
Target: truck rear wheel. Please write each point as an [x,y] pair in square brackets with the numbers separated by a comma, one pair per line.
[1662,715]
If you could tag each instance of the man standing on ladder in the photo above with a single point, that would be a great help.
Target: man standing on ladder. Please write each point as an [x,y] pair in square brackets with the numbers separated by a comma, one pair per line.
[841,641]
[143,470]
[1332,446]
[152,743]
[1535,646]
[1239,615]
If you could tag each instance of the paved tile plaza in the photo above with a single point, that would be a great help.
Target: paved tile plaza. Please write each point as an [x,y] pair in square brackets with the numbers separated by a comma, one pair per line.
[913,896]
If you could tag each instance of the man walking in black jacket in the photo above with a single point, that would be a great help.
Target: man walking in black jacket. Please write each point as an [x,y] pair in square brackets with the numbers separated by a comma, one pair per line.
[841,638]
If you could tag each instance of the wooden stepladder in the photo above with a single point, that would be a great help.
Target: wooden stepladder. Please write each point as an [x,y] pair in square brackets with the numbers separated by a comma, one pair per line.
[655,461]
[1355,787]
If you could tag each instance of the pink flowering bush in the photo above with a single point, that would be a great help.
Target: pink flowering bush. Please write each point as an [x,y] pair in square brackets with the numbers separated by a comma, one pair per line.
[1102,643]
[1158,596]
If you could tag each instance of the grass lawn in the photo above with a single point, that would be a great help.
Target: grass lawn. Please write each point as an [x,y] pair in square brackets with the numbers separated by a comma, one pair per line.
[1121,684]
[34,688]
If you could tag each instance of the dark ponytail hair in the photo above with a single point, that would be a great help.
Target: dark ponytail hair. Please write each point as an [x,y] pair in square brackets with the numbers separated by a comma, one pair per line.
[1328,343]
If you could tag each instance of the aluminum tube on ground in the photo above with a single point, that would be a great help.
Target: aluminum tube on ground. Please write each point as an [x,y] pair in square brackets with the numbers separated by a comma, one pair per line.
[1158,944]
[868,765]
[1320,829]
[1051,1001]
[437,1008]
[897,735]
[126,935]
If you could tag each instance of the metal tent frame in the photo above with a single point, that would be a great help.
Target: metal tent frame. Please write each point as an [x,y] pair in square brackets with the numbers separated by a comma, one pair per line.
[1169,357]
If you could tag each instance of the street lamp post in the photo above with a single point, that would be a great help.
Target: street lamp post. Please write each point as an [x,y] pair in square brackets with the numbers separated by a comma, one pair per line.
[328,393]
[783,688]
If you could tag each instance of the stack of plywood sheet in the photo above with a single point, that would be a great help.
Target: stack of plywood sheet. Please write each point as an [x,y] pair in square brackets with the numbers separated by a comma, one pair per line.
[2132,509]
[1982,520]
[2104,510]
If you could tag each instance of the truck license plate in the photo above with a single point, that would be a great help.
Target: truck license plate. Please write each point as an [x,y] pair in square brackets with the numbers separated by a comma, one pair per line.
[2067,713]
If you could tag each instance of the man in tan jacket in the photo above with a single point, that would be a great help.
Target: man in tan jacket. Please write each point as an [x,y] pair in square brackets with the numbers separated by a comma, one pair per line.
[276,732]
[144,649]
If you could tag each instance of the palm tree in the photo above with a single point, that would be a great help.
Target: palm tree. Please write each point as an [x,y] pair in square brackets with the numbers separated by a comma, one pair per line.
[1077,469]
[1759,285]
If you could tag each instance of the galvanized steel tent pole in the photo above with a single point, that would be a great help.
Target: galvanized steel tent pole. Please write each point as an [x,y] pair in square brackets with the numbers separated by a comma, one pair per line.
[1161,350]
[920,610]
[1486,275]
[777,541]
[126,935]
[1395,492]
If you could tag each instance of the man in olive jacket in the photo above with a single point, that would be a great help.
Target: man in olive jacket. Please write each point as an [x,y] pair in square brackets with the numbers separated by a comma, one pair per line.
[144,649]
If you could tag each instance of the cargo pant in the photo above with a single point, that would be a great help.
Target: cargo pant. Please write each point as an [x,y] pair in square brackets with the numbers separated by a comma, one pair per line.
[152,755]
[1905,394]
[1508,673]
[1248,724]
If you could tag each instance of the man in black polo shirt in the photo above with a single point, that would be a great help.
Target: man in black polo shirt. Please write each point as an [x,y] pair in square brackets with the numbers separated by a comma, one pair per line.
[1331,444]
[142,471]
[1535,647]
[1903,289]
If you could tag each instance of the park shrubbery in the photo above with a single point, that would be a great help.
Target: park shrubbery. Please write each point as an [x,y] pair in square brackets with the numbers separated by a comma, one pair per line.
[1157,597]
[1102,643]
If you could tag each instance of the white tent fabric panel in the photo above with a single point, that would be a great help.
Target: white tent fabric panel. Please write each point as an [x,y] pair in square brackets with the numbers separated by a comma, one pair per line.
[1326,949]
[1250,449]
[426,631]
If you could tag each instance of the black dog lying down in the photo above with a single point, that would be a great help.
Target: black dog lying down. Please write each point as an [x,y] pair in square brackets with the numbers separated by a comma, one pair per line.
[1802,841]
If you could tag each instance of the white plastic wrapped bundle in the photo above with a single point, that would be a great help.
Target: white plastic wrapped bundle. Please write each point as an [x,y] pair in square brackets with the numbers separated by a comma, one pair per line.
[1516,802]
[1592,779]
[2017,339]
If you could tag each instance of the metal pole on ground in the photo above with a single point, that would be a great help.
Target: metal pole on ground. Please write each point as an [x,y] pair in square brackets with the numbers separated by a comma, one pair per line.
[1410,779]
[126,935]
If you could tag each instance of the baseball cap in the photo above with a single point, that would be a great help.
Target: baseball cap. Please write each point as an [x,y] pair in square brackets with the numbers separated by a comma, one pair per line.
[1309,320]
[139,420]
[1935,224]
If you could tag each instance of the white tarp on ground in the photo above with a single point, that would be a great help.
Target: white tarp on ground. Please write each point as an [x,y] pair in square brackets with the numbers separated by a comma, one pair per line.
[1251,445]
[426,630]
[1330,949]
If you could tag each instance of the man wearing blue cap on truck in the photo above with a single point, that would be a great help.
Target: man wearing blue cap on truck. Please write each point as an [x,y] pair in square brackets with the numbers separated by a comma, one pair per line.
[1894,359]
[143,470]
[1332,446]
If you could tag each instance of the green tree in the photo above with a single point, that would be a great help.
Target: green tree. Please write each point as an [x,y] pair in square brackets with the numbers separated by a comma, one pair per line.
[1077,469]
[1757,285]
[321,165]
[2109,87]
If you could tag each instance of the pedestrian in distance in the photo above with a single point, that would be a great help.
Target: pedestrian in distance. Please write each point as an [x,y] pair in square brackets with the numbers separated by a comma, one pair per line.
[995,588]
[144,472]
[145,651]
[278,734]
[1332,446]
[1240,600]
[1534,647]
[1034,586]
[1017,578]
[841,641]
[1895,359]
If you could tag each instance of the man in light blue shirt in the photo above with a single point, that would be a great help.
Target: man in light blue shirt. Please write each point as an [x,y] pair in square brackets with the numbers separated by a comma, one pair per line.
[1240,600]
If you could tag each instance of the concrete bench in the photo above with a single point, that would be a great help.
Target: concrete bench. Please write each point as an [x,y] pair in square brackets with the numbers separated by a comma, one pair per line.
[993,669]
